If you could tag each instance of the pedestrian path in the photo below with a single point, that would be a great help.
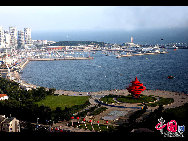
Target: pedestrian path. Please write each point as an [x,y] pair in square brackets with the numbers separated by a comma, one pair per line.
[116,106]
[70,128]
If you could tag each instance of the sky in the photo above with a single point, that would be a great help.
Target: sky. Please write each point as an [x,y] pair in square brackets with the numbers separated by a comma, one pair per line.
[89,18]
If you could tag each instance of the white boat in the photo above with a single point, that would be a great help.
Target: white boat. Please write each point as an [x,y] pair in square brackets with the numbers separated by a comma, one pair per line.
[138,54]
[118,56]
[173,47]
[149,53]
[163,52]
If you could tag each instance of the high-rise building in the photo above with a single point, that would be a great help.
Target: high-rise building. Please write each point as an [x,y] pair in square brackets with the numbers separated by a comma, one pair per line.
[1,37]
[21,41]
[7,39]
[27,35]
[13,37]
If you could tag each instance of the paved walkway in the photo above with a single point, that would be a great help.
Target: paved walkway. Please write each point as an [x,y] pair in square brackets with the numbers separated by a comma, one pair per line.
[69,128]
[117,106]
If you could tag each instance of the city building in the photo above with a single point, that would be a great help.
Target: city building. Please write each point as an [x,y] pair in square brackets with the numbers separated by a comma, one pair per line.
[40,42]
[13,37]
[1,37]
[9,124]
[21,41]
[131,44]
[27,35]
[3,97]
[7,39]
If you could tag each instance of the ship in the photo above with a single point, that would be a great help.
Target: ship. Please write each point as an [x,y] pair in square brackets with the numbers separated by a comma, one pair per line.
[171,47]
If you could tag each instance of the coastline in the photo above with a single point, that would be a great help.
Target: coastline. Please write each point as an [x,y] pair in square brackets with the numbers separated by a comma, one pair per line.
[180,98]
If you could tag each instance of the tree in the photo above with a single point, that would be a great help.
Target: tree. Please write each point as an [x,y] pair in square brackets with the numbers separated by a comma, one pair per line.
[51,91]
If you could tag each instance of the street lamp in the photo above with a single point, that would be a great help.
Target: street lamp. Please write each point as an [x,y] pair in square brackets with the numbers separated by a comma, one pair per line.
[72,120]
[37,123]
[37,120]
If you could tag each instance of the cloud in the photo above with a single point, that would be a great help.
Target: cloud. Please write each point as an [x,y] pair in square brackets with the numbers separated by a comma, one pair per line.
[95,17]
[137,17]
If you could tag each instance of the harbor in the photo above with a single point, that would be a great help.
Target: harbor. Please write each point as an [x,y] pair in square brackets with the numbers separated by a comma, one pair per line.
[66,58]
[103,70]
[13,63]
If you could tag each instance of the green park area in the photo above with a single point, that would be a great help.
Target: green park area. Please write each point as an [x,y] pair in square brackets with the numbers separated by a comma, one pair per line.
[127,99]
[62,101]
[143,98]
[162,101]
[131,99]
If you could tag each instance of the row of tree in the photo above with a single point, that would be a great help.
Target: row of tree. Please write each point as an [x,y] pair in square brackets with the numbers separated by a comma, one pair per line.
[76,43]
[22,104]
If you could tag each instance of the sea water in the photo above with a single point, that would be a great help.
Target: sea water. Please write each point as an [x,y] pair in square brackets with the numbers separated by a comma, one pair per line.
[107,72]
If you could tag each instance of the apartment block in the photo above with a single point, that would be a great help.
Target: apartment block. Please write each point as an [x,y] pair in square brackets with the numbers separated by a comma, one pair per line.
[9,124]
[21,41]
[13,37]
[1,37]
[27,35]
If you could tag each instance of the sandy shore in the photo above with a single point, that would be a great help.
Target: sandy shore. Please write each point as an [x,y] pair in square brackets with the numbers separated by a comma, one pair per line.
[22,83]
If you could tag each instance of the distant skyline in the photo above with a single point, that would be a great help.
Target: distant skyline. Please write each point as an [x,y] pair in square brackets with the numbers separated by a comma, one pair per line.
[92,18]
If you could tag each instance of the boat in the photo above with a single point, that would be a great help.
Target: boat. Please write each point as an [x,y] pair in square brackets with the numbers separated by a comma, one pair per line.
[156,49]
[173,47]
[170,77]
[138,54]
[119,56]
[163,52]
[149,53]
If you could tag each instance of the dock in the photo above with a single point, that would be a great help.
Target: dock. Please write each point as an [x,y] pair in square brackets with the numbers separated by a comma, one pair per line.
[66,58]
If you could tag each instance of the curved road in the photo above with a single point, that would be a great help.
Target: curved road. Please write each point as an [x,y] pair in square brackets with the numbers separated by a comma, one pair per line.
[94,100]
[116,106]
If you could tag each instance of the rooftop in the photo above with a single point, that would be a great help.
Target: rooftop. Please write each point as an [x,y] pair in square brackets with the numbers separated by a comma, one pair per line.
[2,95]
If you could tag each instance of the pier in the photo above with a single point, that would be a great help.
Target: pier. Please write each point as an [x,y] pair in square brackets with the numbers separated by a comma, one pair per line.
[66,58]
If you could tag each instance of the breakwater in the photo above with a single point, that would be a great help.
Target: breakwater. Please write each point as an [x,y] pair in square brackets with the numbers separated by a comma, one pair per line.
[66,58]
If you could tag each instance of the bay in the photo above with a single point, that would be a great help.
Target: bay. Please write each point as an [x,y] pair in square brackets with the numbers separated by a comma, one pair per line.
[108,72]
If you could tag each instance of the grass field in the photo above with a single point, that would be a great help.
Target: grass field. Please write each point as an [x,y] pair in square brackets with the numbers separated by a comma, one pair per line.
[62,101]
[130,99]
[127,99]
[162,101]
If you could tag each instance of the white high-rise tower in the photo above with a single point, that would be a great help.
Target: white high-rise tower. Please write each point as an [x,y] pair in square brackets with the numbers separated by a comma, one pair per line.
[7,39]
[21,41]
[13,37]
[27,35]
[1,37]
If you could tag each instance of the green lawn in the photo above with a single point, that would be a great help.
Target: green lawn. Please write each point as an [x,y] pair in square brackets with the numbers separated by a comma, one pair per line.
[62,101]
[130,99]
[127,99]
[108,99]
[162,101]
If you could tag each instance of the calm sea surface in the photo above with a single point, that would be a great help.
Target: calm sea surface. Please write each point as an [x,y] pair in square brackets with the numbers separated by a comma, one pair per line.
[149,36]
[108,72]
